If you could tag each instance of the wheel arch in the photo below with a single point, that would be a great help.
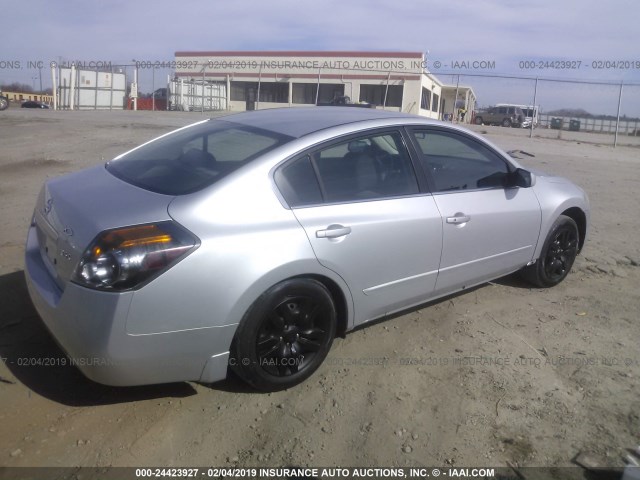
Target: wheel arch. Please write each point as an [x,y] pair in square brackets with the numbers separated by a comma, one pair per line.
[243,344]
[339,301]
[338,290]
[578,216]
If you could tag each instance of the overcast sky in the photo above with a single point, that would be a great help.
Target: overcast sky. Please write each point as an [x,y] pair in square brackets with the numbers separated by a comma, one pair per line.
[500,31]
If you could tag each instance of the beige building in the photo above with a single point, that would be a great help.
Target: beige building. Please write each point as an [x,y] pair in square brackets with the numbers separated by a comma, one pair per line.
[256,80]
[20,97]
[457,99]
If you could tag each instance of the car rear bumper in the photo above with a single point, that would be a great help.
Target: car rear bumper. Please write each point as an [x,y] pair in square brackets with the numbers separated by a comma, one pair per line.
[90,326]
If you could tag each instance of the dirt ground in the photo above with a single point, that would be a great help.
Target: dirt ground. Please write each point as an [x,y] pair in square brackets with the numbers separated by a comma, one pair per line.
[503,374]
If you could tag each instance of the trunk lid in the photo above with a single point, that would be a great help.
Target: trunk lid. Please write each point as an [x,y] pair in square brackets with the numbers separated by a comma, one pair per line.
[72,210]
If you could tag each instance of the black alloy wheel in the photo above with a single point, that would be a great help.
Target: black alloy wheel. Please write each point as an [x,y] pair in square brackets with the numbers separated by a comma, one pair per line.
[561,253]
[286,335]
[558,254]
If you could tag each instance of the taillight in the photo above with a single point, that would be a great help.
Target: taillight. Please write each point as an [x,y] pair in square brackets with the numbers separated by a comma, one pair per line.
[126,258]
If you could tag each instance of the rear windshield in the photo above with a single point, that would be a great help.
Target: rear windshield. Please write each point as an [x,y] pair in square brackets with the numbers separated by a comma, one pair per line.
[193,158]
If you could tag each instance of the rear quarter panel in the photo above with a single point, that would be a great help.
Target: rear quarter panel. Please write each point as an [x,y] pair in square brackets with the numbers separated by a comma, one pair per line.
[249,242]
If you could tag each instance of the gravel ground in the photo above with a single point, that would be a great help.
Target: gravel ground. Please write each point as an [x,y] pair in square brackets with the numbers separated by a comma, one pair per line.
[502,374]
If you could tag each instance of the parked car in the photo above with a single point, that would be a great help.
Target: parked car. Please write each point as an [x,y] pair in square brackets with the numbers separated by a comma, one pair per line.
[345,101]
[4,101]
[34,104]
[249,241]
[506,116]
[530,113]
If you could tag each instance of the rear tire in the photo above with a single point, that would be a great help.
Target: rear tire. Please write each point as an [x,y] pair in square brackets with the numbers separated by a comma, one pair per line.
[478,121]
[557,256]
[285,336]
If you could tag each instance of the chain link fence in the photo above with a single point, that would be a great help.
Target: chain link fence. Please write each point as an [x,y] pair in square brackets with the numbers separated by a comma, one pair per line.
[158,89]
[600,112]
[588,111]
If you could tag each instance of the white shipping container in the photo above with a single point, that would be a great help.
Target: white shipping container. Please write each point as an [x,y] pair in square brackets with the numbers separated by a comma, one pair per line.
[91,89]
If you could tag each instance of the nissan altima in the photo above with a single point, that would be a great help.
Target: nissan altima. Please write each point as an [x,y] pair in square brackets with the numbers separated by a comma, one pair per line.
[246,243]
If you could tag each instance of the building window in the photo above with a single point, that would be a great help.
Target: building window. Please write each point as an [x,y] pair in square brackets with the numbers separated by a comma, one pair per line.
[306,92]
[425,101]
[436,101]
[270,92]
[243,91]
[329,91]
[274,92]
[375,94]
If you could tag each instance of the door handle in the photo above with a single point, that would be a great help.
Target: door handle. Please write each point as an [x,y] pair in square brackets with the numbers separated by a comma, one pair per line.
[333,231]
[458,219]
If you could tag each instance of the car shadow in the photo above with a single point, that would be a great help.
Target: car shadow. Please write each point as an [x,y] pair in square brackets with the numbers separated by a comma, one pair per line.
[233,384]
[514,280]
[32,356]
[35,360]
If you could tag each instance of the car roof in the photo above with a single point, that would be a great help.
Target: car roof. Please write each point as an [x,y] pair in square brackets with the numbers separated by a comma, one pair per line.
[299,121]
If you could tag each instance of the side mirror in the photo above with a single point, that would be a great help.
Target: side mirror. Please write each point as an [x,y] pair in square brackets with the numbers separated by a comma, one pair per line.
[522,178]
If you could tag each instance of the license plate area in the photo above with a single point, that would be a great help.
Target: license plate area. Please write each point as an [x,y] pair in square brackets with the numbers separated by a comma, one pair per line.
[48,242]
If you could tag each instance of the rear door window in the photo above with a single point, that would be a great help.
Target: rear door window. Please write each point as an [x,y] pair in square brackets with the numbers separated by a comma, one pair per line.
[360,168]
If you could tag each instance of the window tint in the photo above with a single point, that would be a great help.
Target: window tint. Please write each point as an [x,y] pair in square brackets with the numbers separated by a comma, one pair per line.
[368,167]
[235,145]
[457,162]
[298,183]
[193,158]
[371,167]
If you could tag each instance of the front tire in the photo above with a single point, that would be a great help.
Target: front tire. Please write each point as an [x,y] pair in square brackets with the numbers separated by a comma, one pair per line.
[557,256]
[285,336]
[506,122]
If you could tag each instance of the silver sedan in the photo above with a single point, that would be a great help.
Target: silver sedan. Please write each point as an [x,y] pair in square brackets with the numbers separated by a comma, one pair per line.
[246,243]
